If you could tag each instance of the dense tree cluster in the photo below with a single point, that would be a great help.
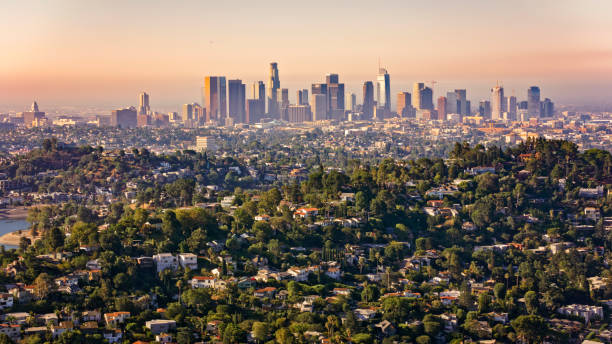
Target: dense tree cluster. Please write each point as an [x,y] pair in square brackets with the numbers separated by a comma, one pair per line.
[408,240]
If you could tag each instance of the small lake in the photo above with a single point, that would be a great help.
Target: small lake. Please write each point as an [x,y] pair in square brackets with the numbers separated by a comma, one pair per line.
[7,226]
[12,225]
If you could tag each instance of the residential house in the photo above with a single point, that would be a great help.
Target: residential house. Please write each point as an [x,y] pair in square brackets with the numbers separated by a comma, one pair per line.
[480,170]
[242,283]
[91,316]
[263,217]
[89,327]
[265,292]
[216,245]
[597,192]
[498,317]
[598,283]
[298,274]
[449,297]
[450,322]
[212,327]
[163,338]
[13,331]
[165,261]
[158,326]
[64,326]
[93,264]
[410,294]
[347,197]
[442,191]
[365,314]
[260,261]
[21,293]
[341,291]
[113,336]
[145,262]
[586,312]
[18,317]
[306,307]
[115,318]
[67,284]
[386,328]
[468,226]
[334,273]
[203,282]
[39,330]
[6,300]
[592,213]
[49,319]
[306,212]
[282,295]
[435,203]
[188,260]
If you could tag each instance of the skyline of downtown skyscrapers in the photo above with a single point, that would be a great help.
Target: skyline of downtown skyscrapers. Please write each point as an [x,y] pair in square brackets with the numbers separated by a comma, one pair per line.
[228,102]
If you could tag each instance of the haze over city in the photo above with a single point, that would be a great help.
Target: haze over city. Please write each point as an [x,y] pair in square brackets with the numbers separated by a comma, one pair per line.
[73,53]
[312,172]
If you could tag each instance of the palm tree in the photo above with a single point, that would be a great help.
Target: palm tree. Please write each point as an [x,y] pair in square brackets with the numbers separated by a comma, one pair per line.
[346,338]
[330,325]
[179,285]
[361,263]
[379,261]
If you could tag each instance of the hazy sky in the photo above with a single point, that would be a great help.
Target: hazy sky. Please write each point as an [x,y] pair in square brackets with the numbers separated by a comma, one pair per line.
[104,52]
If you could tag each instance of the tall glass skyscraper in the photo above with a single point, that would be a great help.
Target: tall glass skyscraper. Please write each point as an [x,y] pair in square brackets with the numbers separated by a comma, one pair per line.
[383,89]
[533,101]
[237,97]
[143,104]
[422,97]
[442,108]
[351,102]
[462,102]
[451,102]
[368,100]
[273,86]
[215,98]
[511,108]
[547,108]
[404,104]
[302,97]
[335,97]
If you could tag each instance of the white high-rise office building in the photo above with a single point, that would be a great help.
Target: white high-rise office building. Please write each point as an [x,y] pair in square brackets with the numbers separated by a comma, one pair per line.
[497,103]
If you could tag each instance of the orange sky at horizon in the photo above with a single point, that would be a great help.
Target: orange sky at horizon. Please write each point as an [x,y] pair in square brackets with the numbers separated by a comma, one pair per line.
[69,52]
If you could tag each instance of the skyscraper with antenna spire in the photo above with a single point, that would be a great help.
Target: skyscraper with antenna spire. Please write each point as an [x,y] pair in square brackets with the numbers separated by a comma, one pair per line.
[383,89]
[273,86]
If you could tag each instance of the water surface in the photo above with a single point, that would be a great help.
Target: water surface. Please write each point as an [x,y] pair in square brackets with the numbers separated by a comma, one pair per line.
[12,225]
